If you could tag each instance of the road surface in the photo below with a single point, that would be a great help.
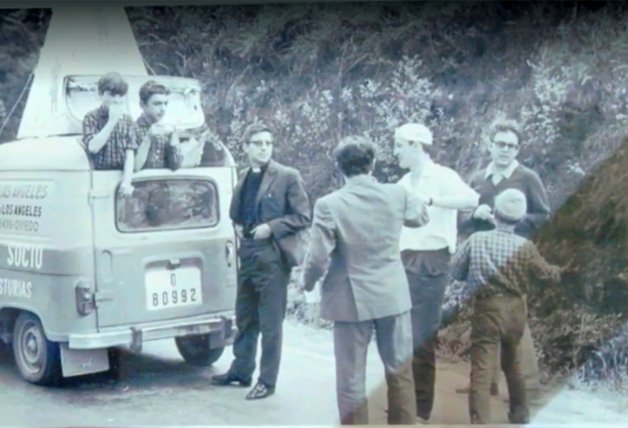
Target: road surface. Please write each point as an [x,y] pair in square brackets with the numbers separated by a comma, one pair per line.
[157,387]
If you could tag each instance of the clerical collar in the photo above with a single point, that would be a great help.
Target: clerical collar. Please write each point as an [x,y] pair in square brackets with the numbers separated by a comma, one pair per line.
[259,169]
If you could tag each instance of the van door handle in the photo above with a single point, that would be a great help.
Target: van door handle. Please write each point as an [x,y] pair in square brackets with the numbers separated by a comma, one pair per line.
[96,194]
[229,253]
[103,296]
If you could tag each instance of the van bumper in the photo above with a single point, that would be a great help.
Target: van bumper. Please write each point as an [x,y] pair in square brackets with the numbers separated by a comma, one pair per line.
[220,325]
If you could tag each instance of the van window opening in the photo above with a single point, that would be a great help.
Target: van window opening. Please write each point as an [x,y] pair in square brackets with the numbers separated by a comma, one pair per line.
[184,102]
[168,204]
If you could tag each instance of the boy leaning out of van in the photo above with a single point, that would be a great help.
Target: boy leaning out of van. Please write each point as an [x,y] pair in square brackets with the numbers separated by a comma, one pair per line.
[109,133]
[158,144]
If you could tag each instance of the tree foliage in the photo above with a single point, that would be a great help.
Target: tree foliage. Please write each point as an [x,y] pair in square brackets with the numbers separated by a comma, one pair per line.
[21,35]
[318,72]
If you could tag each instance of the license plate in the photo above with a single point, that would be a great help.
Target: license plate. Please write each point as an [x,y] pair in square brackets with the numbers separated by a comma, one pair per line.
[173,288]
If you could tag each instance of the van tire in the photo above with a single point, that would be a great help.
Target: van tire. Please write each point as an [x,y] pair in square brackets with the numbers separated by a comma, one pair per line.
[195,350]
[36,357]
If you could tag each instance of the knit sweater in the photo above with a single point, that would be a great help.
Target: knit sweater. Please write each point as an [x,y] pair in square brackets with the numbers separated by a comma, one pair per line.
[522,178]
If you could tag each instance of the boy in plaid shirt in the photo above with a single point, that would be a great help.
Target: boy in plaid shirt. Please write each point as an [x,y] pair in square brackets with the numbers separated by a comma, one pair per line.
[497,265]
[158,144]
[109,134]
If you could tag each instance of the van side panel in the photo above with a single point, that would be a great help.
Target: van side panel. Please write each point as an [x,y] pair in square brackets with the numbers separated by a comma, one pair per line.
[46,247]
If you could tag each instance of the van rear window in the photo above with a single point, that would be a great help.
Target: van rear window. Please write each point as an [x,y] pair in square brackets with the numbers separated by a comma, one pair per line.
[168,205]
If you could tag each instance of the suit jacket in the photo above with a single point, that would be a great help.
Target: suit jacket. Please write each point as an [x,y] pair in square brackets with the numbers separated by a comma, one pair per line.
[283,204]
[355,246]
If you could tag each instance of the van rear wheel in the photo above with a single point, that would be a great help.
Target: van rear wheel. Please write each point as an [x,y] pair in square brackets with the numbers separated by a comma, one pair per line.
[36,357]
[195,350]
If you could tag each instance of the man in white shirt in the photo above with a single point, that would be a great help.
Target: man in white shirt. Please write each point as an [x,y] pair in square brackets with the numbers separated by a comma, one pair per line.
[426,251]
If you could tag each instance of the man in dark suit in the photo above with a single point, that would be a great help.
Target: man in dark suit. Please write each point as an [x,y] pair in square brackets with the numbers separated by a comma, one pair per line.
[269,206]
[355,246]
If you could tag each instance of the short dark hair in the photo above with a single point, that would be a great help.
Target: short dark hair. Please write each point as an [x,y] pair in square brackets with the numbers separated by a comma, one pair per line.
[354,155]
[114,83]
[506,126]
[255,128]
[151,88]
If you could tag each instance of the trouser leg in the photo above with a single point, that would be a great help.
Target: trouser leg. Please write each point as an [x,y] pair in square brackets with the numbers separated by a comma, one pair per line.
[351,341]
[529,362]
[245,342]
[514,314]
[496,368]
[485,337]
[394,343]
[427,277]
[271,313]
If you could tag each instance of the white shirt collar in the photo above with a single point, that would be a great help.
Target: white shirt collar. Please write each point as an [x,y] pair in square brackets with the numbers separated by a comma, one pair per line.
[490,169]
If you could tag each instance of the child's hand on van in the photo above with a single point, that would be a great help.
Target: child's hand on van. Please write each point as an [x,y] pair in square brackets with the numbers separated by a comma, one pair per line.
[126,189]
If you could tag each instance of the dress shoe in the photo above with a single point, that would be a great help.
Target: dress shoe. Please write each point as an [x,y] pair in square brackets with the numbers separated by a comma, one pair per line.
[229,379]
[422,421]
[260,391]
[519,418]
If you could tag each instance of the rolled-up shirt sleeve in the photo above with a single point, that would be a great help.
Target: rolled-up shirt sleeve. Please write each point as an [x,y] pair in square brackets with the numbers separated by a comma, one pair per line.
[539,267]
[90,128]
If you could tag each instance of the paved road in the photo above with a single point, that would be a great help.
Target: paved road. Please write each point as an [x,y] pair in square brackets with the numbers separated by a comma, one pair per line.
[158,388]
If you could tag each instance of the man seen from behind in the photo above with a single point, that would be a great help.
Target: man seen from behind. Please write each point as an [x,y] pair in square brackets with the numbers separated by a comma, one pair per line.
[355,248]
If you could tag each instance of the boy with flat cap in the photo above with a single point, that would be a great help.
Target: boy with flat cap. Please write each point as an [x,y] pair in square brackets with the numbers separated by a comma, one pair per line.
[497,265]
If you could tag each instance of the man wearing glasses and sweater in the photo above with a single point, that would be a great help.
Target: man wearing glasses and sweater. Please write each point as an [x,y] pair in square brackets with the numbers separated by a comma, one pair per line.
[505,172]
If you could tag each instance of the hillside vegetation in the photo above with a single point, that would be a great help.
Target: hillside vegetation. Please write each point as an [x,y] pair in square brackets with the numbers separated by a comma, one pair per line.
[318,72]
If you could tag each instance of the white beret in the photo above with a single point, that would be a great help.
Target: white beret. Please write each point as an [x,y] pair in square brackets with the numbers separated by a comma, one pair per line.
[415,132]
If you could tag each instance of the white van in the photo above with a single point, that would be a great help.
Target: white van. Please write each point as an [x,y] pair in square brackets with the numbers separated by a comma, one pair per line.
[83,269]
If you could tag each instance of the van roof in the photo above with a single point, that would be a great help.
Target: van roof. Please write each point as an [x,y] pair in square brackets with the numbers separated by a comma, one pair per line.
[83,39]
[63,153]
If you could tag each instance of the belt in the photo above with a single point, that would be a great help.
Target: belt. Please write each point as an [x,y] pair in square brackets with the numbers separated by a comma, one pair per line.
[438,250]
[255,242]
